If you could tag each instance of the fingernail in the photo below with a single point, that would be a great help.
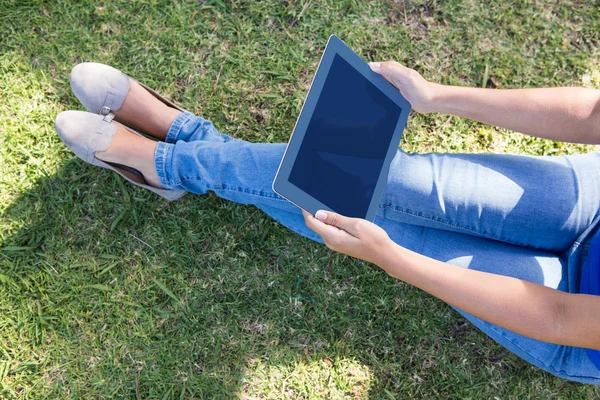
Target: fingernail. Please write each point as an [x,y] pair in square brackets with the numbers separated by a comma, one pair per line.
[375,66]
[321,215]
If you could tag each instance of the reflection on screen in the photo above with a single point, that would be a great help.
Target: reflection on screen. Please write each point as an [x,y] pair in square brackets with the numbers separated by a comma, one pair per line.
[346,141]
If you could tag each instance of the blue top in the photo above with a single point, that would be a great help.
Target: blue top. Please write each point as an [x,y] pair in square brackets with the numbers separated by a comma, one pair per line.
[590,284]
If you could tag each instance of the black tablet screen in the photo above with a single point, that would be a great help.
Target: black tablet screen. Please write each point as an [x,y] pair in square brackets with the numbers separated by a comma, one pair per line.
[341,156]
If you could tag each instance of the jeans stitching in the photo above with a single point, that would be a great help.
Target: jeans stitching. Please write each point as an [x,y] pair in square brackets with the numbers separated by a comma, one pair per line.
[227,189]
[476,232]
[159,163]
[176,126]
[257,194]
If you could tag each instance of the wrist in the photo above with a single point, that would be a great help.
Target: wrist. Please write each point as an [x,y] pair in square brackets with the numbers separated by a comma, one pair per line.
[391,258]
[437,97]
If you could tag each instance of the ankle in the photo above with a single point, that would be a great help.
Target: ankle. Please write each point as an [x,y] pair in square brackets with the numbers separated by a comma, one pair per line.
[144,112]
[161,123]
[134,151]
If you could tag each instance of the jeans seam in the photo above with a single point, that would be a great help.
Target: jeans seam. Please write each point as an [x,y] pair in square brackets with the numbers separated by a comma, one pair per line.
[227,189]
[257,194]
[474,231]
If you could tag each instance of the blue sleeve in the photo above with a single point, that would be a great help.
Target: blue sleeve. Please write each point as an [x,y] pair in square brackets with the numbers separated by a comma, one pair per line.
[590,284]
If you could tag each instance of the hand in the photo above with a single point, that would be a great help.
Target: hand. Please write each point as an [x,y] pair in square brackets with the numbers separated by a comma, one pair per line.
[355,237]
[417,90]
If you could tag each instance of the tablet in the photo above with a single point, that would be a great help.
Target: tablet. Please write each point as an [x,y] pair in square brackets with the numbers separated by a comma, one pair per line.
[348,131]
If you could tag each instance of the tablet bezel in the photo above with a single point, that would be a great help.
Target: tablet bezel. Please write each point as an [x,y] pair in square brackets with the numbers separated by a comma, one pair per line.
[300,198]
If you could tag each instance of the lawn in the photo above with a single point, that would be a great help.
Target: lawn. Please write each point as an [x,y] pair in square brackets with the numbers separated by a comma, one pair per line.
[107,291]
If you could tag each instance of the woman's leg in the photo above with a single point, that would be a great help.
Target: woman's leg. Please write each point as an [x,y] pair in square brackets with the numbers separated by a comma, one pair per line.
[539,202]
[243,172]
[235,170]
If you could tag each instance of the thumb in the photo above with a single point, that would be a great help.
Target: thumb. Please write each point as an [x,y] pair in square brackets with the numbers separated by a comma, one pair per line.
[337,220]
[390,70]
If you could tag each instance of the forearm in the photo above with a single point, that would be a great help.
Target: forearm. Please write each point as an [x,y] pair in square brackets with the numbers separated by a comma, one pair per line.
[522,307]
[567,114]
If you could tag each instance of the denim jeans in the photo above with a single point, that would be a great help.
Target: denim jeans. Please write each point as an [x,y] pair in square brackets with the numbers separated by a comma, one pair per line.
[522,216]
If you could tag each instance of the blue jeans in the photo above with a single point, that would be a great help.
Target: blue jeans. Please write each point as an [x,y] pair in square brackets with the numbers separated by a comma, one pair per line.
[527,217]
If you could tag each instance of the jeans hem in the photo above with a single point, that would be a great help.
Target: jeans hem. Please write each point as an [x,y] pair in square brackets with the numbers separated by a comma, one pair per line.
[175,127]
[162,156]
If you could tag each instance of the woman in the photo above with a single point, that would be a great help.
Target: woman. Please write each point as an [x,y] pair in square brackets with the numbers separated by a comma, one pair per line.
[510,241]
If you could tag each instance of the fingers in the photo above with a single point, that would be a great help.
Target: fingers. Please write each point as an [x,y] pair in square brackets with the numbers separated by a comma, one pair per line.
[318,227]
[387,66]
[330,218]
[335,238]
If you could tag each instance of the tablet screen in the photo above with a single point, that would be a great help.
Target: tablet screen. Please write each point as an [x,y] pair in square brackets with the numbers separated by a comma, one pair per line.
[345,144]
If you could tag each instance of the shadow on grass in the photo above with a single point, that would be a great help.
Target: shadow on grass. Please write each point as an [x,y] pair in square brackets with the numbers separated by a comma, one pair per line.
[109,291]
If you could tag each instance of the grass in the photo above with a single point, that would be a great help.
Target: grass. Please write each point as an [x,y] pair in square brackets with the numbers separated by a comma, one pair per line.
[109,292]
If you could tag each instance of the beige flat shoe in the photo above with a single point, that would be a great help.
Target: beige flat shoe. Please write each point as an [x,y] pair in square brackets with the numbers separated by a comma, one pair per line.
[86,133]
[102,89]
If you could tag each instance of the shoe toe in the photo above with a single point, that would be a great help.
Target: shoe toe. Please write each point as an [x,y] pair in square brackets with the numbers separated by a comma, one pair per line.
[98,85]
[84,133]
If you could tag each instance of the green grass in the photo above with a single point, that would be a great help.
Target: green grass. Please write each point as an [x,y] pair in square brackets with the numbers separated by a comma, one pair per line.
[108,292]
